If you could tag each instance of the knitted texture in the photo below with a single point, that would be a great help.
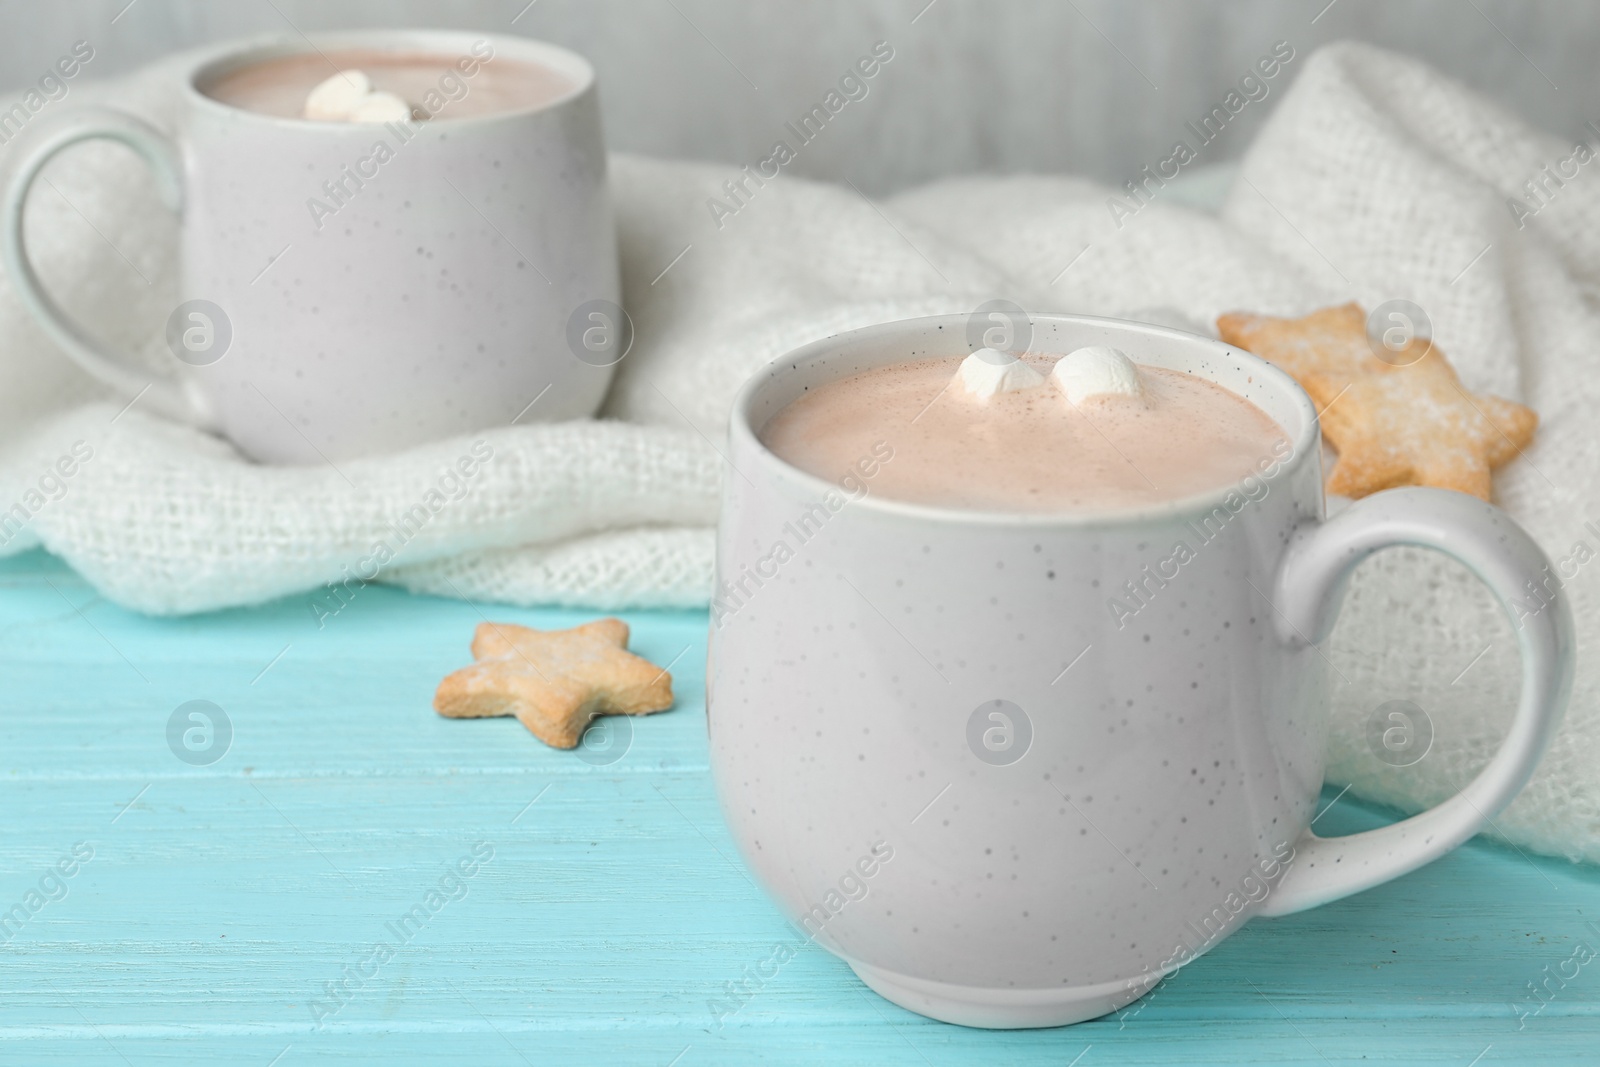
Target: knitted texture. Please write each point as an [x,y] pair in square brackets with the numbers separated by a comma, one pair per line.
[1375,179]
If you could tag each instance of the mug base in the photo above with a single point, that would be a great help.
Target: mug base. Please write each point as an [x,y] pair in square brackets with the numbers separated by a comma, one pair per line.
[997,1009]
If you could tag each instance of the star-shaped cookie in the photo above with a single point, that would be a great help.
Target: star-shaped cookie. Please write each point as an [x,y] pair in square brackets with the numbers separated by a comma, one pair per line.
[554,681]
[1403,420]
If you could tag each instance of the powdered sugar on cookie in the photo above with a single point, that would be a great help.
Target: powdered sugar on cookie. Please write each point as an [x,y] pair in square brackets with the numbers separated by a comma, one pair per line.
[1403,421]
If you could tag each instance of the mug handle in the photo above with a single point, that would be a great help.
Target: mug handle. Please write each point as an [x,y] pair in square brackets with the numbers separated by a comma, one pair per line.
[113,368]
[1309,587]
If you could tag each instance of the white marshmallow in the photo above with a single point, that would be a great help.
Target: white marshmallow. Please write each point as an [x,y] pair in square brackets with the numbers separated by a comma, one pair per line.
[334,99]
[381,106]
[1096,371]
[349,97]
[988,372]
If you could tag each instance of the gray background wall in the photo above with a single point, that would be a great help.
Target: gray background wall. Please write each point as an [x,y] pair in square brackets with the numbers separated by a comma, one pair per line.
[1093,86]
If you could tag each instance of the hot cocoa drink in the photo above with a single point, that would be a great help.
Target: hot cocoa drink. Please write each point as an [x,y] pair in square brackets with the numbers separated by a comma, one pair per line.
[425,85]
[1088,432]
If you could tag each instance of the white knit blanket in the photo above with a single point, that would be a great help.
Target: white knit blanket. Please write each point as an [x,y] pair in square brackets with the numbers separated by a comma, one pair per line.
[1375,179]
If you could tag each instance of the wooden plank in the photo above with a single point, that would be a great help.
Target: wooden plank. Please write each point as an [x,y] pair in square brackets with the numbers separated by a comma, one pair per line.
[220,900]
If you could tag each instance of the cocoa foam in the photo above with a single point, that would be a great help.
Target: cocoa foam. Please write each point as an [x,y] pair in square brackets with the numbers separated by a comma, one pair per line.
[1031,450]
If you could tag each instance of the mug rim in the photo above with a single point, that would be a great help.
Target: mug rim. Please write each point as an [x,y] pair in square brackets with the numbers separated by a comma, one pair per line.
[241,52]
[1305,443]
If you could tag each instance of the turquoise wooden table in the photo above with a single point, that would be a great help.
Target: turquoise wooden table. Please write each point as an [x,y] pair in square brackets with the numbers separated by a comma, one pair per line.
[357,879]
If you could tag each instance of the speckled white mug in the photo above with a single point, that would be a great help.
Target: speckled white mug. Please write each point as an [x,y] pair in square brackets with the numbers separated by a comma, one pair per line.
[1014,768]
[434,291]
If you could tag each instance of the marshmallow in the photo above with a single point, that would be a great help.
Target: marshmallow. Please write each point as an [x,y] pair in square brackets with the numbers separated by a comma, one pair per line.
[381,106]
[334,99]
[1096,371]
[988,372]
[349,97]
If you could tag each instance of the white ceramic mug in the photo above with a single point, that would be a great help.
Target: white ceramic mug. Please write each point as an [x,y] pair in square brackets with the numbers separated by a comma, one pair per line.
[340,299]
[1015,767]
